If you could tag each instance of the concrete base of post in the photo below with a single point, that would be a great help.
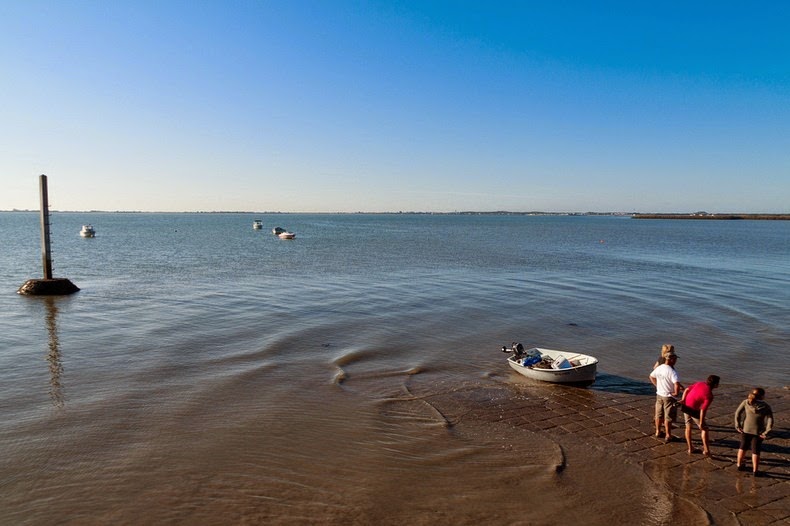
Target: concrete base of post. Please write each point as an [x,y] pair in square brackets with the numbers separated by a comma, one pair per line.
[48,287]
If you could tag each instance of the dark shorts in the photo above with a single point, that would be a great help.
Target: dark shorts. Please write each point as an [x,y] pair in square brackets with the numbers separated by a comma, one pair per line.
[753,442]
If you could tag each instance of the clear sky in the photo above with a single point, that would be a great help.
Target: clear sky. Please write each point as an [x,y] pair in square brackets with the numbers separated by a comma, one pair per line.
[344,106]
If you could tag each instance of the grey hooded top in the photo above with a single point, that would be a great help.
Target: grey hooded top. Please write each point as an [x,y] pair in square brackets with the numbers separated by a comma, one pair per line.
[755,418]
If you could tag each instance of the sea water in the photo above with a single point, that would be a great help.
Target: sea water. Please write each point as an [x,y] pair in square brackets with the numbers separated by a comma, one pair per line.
[209,372]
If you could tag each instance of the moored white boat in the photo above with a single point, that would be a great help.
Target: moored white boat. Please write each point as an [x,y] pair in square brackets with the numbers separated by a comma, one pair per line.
[278,230]
[286,235]
[550,365]
[257,224]
[88,231]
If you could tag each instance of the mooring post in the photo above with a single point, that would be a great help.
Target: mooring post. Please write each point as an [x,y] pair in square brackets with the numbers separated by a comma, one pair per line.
[46,252]
[48,286]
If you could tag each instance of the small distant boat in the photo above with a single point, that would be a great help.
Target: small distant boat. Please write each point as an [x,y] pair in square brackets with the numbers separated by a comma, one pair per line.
[257,224]
[549,365]
[88,231]
[282,233]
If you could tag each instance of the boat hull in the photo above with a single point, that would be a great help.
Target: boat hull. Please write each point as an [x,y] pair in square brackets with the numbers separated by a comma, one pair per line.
[582,374]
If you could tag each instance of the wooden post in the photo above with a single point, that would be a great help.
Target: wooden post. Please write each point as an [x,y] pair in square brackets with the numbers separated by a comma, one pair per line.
[48,286]
[46,253]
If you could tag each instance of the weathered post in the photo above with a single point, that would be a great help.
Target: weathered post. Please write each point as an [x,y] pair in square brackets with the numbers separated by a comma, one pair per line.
[46,253]
[48,286]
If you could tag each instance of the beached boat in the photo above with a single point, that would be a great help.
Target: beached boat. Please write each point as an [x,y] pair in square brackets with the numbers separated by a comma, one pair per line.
[257,224]
[549,365]
[88,231]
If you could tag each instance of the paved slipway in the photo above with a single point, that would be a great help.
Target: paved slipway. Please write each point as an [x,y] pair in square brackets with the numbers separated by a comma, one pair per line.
[621,421]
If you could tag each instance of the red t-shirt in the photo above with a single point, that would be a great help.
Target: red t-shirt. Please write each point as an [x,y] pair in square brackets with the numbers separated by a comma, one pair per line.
[700,396]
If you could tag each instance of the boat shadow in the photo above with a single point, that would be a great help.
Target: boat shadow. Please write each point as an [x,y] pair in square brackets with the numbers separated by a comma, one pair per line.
[611,383]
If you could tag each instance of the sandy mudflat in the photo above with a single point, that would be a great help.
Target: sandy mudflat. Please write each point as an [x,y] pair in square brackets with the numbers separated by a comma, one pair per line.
[598,426]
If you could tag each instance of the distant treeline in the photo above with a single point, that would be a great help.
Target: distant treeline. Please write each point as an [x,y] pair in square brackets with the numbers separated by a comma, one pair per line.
[780,217]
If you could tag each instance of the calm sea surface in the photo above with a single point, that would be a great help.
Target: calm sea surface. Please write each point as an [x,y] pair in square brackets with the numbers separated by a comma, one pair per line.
[210,373]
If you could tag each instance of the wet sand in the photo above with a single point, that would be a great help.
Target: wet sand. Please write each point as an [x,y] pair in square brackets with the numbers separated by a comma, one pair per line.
[393,447]
[611,422]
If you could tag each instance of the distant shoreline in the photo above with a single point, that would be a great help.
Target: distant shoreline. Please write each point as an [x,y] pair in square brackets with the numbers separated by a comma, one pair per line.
[633,215]
[762,217]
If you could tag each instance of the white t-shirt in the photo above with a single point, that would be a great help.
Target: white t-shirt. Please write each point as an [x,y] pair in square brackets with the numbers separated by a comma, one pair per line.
[666,378]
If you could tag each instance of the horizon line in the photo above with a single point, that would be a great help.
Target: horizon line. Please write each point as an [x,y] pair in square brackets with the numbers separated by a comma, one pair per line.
[412,212]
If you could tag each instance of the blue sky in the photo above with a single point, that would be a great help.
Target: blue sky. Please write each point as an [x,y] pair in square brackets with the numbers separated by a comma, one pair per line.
[345,106]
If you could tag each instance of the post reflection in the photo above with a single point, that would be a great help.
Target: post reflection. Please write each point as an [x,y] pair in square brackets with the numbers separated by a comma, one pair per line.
[53,356]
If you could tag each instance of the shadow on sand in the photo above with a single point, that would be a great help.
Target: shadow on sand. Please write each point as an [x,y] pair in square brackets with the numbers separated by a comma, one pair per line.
[611,383]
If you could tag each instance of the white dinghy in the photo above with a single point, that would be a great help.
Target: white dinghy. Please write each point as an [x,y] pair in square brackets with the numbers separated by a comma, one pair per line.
[549,365]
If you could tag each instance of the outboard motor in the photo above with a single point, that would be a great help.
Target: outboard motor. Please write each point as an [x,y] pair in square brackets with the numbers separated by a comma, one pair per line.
[517,349]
